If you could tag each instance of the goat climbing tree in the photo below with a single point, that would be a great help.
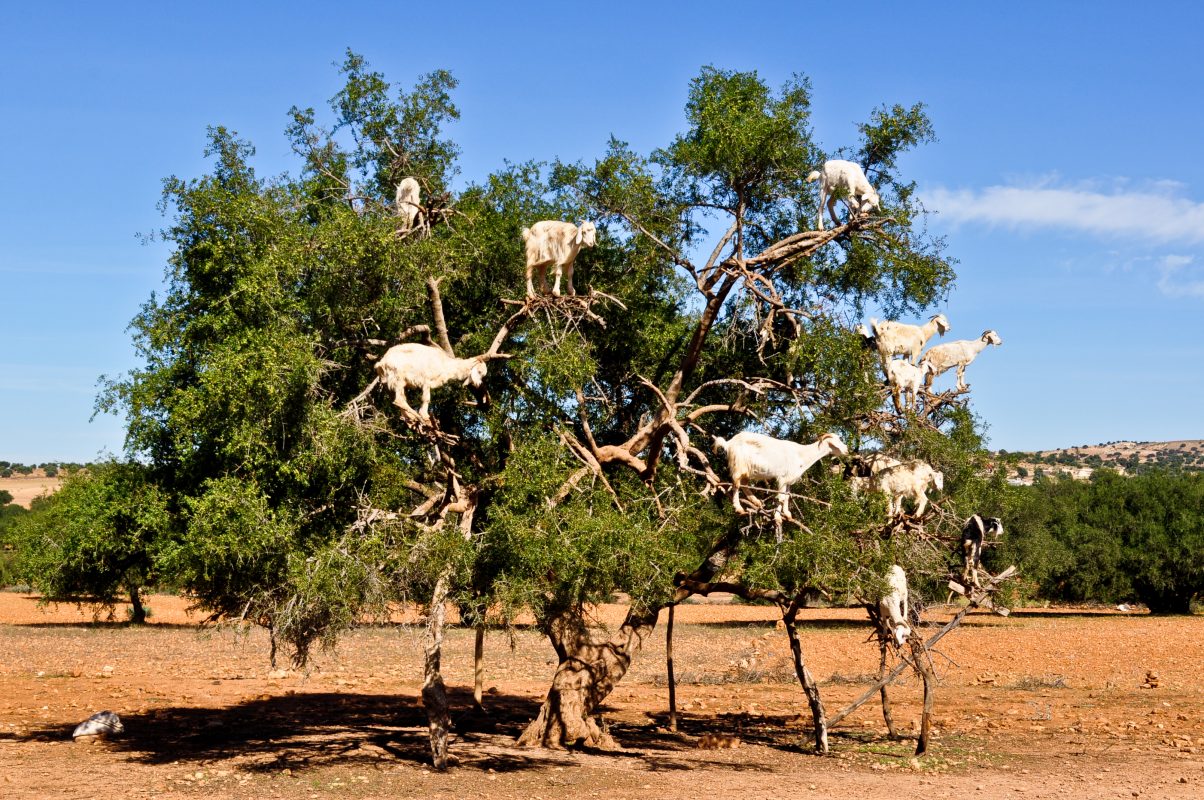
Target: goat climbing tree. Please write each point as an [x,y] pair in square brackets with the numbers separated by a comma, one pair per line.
[582,466]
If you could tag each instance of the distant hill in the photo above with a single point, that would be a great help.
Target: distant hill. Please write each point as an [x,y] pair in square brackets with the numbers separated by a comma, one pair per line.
[1127,458]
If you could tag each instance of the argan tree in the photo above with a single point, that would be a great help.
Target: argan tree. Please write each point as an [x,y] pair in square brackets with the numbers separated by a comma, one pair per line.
[303,499]
[96,538]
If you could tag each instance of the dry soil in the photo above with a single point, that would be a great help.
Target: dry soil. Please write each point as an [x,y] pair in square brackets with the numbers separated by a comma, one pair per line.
[1046,703]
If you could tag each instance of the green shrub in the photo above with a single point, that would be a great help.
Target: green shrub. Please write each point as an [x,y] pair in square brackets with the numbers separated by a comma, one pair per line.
[1111,539]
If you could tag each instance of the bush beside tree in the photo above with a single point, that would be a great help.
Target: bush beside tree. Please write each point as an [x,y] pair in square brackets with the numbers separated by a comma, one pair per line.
[1111,539]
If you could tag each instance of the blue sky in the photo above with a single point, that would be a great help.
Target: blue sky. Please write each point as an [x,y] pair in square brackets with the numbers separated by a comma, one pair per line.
[1067,178]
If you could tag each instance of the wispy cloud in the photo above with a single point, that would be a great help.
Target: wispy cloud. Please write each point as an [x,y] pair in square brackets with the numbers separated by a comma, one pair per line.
[1181,276]
[1155,212]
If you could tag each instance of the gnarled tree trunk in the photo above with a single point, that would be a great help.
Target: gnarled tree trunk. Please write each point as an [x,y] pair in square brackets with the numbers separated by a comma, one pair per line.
[137,608]
[590,666]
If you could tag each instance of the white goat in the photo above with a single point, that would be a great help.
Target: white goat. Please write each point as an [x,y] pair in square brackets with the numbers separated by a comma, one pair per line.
[943,357]
[757,457]
[901,338]
[861,469]
[427,367]
[552,243]
[909,479]
[892,609]
[906,378]
[408,203]
[835,175]
[973,533]
[879,461]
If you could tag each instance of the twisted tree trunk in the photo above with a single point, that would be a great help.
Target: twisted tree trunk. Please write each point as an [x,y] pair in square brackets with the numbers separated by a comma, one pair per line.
[478,669]
[589,669]
[591,666]
[137,607]
[886,712]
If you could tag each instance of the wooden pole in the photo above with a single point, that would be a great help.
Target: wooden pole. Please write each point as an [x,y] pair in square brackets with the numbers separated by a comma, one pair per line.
[811,688]
[894,673]
[669,670]
[981,597]
[478,669]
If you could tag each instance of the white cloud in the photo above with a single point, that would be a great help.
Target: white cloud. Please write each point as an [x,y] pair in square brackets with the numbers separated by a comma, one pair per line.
[1154,213]
[1181,276]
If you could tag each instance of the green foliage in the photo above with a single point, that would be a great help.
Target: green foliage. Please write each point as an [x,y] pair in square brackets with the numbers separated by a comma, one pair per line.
[1111,539]
[96,537]
[290,505]
[10,515]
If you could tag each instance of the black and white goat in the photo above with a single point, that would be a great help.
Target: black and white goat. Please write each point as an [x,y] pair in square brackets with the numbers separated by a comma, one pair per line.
[976,529]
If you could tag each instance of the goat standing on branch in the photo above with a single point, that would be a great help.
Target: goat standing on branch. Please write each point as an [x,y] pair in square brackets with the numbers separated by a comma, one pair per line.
[408,205]
[757,457]
[905,380]
[899,338]
[892,608]
[860,197]
[555,244]
[944,357]
[973,532]
[427,367]
[910,479]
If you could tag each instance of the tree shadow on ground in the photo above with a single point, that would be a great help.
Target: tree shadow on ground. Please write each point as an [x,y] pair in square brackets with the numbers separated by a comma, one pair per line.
[271,732]
[776,732]
[772,624]
[103,624]
[314,730]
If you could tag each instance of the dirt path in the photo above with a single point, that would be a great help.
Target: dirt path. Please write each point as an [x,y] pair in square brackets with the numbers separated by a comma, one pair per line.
[1039,705]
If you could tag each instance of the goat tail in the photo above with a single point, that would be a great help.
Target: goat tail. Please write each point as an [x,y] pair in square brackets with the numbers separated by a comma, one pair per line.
[814,176]
[526,234]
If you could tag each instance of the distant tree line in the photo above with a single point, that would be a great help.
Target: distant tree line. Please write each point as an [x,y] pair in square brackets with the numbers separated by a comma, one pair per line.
[9,514]
[51,468]
[1110,539]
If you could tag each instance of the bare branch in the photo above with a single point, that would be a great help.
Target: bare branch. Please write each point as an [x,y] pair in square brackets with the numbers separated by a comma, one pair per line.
[432,286]
[567,487]
[741,591]
[583,416]
[704,283]
[352,406]
[676,257]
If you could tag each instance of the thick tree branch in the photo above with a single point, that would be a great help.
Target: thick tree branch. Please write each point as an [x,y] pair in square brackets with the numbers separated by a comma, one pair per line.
[432,286]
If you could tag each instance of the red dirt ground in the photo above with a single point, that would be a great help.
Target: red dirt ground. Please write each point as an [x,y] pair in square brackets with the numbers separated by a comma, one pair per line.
[1043,704]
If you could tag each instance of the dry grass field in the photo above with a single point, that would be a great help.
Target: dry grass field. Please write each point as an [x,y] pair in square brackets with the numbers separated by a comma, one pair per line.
[24,488]
[1043,704]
